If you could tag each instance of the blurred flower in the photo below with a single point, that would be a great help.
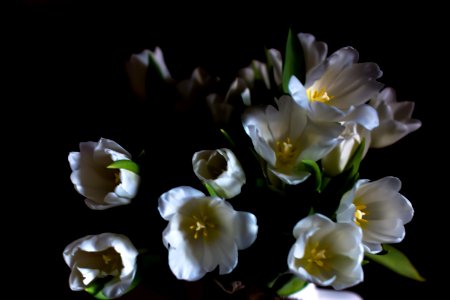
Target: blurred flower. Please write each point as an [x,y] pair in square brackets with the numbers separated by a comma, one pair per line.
[221,170]
[285,137]
[137,68]
[100,256]
[327,253]
[203,232]
[103,187]
[379,209]
[395,119]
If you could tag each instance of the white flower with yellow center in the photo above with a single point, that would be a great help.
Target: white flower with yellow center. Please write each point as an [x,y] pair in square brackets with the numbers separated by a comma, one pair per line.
[103,187]
[100,256]
[379,209]
[327,253]
[395,119]
[221,170]
[203,232]
[285,136]
[337,89]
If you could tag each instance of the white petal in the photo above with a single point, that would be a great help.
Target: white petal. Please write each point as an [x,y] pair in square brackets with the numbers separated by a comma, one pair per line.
[129,183]
[171,201]
[294,178]
[74,160]
[245,229]
[315,51]
[364,115]
[182,264]
[298,92]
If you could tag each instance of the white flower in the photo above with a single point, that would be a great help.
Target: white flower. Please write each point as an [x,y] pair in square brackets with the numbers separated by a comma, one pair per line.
[336,89]
[395,119]
[102,187]
[203,232]
[327,253]
[99,256]
[137,69]
[285,137]
[337,160]
[221,170]
[379,209]
[315,52]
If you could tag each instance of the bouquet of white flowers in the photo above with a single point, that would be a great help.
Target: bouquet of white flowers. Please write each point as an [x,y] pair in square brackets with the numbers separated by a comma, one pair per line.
[276,182]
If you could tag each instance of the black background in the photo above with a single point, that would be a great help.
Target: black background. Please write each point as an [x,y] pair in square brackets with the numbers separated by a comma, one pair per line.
[70,86]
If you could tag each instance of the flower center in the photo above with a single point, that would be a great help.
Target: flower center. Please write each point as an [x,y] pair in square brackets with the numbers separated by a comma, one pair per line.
[201,226]
[117,177]
[317,257]
[359,215]
[318,95]
[285,151]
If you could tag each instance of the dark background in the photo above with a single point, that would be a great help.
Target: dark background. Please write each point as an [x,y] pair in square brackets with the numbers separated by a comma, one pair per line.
[70,86]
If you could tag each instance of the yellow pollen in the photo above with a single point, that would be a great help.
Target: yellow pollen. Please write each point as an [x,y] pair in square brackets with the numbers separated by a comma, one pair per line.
[285,151]
[201,226]
[117,177]
[318,95]
[106,259]
[359,215]
[317,257]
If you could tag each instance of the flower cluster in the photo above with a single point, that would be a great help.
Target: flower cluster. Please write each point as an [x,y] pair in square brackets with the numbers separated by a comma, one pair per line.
[296,128]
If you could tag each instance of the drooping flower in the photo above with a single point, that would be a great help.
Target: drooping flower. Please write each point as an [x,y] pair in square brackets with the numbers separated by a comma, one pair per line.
[103,187]
[138,65]
[203,232]
[99,256]
[337,160]
[221,170]
[379,209]
[395,119]
[285,137]
[327,253]
[337,88]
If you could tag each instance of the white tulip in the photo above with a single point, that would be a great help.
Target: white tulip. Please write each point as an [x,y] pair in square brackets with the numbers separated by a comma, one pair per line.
[137,67]
[203,232]
[395,119]
[285,136]
[98,256]
[335,162]
[379,209]
[221,170]
[327,253]
[103,188]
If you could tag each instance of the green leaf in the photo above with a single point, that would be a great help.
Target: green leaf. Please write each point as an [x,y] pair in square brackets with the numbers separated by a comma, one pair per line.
[313,168]
[397,262]
[292,286]
[95,288]
[210,189]
[294,62]
[227,137]
[125,164]
[355,161]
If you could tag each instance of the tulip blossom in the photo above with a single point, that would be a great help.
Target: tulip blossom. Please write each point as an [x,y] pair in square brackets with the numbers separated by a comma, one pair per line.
[203,232]
[395,119]
[103,187]
[221,170]
[327,253]
[284,137]
[137,69]
[99,256]
[378,209]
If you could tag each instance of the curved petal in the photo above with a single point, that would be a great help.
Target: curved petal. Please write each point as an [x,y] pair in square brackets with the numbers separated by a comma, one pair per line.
[245,228]
[171,201]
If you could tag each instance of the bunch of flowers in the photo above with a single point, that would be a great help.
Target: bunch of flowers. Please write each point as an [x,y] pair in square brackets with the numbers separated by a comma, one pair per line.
[282,191]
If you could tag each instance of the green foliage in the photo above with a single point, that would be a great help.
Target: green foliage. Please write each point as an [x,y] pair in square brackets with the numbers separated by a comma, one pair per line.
[294,62]
[126,165]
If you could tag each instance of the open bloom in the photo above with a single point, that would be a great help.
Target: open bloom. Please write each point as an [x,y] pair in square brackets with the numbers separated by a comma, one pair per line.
[327,253]
[336,89]
[99,256]
[102,187]
[285,137]
[379,209]
[221,170]
[395,119]
[203,232]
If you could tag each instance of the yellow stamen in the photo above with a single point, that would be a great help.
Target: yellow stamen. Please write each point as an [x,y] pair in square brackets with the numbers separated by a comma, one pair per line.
[285,151]
[106,259]
[318,95]
[117,177]
[201,225]
[359,215]
[317,257]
